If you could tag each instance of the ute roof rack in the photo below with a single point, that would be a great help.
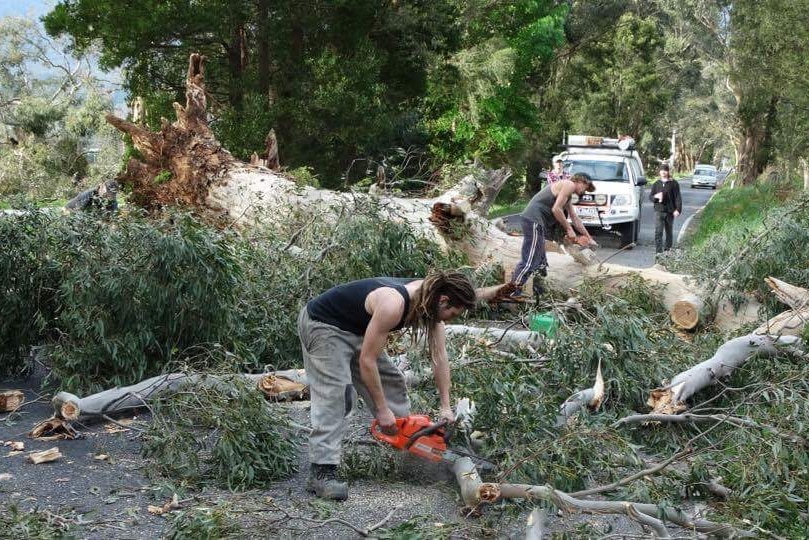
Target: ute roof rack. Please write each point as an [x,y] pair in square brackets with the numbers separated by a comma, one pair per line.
[624,143]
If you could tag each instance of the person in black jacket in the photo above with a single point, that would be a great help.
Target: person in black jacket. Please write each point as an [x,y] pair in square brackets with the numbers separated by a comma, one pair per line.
[668,204]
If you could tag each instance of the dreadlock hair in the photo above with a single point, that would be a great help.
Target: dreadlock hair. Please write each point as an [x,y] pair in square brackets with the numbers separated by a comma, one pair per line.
[423,316]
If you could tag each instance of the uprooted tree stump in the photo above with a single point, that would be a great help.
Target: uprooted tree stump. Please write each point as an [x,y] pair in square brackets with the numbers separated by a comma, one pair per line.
[183,164]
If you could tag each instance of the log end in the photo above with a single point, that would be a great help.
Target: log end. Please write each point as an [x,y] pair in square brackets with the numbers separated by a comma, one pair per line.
[10,400]
[685,314]
[66,406]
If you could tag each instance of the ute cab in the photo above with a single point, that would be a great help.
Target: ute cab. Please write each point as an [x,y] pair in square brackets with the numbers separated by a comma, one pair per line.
[617,172]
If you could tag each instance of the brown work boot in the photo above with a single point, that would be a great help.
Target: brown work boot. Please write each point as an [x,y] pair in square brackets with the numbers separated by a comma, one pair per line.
[324,483]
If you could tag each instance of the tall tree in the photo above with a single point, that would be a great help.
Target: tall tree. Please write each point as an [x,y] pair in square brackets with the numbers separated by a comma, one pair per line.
[51,112]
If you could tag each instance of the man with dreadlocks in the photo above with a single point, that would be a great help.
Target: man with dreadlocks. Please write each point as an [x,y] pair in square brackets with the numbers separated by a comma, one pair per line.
[343,333]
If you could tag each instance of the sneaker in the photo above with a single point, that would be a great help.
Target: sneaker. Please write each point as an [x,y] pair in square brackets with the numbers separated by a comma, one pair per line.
[324,483]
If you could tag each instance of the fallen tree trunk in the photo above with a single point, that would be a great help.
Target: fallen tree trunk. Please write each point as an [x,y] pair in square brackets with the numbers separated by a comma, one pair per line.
[208,179]
[475,492]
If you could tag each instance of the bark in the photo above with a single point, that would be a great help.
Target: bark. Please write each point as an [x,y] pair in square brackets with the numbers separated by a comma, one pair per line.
[535,528]
[474,493]
[116,400]
[591,397]
[206,178]
[671,399]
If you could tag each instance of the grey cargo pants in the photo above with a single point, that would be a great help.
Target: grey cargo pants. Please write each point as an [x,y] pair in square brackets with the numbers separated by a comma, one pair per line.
[331,359]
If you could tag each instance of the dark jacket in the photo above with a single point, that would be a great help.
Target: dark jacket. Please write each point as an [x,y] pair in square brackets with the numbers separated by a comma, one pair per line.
[671,196]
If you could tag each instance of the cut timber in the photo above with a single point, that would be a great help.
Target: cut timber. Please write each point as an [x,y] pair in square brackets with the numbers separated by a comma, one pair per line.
[70,407]
[208,179]
[10,400]
[474,492]
[688,312]
[729,356]
[52,454]
[53,429]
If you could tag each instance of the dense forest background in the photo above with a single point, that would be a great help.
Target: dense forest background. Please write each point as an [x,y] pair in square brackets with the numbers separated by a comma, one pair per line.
[415,87]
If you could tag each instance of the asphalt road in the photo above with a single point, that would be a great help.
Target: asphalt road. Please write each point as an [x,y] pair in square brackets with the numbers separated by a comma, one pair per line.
[642,255]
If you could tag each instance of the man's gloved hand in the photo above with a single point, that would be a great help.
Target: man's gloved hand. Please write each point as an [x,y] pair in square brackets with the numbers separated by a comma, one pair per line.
[504,292]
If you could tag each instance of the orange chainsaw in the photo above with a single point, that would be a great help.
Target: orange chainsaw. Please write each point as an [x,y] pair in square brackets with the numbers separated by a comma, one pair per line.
[420,436]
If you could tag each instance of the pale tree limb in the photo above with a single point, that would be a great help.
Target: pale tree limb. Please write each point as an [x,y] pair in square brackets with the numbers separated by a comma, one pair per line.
[691,418]
[475,492]
[729,356]
[535,528]
[591,397]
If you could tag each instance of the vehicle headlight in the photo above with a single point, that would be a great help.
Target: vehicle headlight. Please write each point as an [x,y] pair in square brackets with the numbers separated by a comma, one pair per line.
[622,200]
[601,200]
[574,198]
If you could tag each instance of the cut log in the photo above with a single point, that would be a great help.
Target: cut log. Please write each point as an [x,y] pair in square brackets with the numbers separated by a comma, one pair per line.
[52,454]
[276,385]
[208,179]
[10,400]
[688,312]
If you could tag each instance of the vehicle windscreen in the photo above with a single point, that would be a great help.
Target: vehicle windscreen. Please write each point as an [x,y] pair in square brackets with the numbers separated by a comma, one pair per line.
[605,171]
[704,172]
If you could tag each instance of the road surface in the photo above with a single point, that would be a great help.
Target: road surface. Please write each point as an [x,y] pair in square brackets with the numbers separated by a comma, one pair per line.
[642,255]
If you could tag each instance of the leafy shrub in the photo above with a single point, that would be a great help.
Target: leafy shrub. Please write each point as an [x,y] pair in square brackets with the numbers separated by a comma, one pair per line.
[221,430]
[29,278]
[202,524]
[122,300]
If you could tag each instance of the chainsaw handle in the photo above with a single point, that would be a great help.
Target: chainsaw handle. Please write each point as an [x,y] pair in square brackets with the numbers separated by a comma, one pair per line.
[423,432]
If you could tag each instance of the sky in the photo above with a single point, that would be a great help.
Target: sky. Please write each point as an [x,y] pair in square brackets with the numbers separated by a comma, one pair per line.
[34,9]
[23,8]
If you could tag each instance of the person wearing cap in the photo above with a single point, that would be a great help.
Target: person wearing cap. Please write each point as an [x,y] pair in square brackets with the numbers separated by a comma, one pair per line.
[546,215]
[668,204]
[558,173]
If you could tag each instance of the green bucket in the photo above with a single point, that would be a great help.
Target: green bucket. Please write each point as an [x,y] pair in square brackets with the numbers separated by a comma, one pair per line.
[544,323]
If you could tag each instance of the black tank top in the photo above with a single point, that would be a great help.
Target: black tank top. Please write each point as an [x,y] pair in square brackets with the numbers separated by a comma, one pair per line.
[343,306]
[540,207]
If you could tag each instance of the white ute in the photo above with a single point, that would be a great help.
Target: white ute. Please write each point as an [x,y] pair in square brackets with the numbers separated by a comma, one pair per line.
[617,172]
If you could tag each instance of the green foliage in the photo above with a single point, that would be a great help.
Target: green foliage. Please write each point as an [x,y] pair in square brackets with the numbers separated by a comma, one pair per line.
[121,301]
[15,523]
[221,430]
[202,524]
[756,222]
[134,297]
[29,275]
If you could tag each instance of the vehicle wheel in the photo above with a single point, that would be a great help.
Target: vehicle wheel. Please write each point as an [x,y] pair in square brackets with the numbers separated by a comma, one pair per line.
[713,187]
[629,232]
[691,186]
